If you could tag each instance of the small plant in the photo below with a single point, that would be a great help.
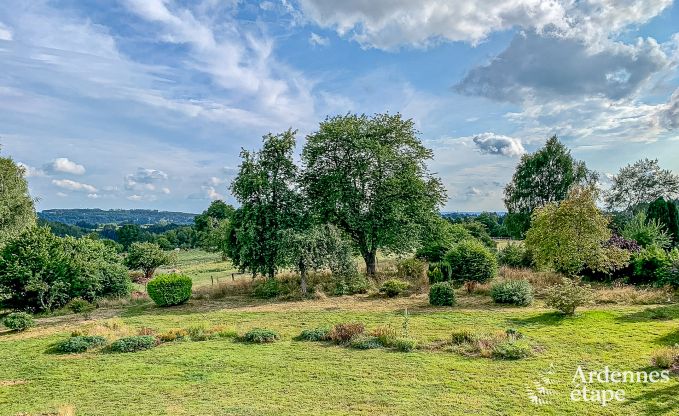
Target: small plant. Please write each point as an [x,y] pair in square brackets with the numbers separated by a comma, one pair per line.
[394,287]
[435,275]
[133,343]
[405,344]
[463,336]
[513,334]
[176,334]
[79,305]
[567,296]
[512,292]
[442,294]
[316,334]
[261,336]
[365,342]
[406,323]
[386,335]
[343,332]
[268,289]
[199,332]
[18,321]
[413,269]
[79,344]
[666,358]
[512,350]
[351,285]
[170,289]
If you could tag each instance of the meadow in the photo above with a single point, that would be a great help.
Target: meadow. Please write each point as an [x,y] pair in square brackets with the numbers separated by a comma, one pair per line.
[226,377]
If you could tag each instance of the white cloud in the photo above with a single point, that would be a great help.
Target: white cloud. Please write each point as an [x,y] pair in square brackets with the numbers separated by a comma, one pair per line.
[73,185]
[212,193]
[317,40]
[496,144]
[135,198]
[93,196]
[31,172]
[144,179]
[670,114]
[5,32]
[64,165]
[61,195]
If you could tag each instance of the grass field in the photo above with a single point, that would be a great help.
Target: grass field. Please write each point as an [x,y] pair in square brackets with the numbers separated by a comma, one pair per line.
[226,377]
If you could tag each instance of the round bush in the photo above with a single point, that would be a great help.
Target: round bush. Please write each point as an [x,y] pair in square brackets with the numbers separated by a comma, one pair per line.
[405,344]
[567,296]
[79,305]
[170,289]
[514,255]
[471,261]
[365,342]
[316,334]
[261,336]
[268,289]
[135,343]
[394,287]
[442,294]
[512,292]
[512,350]
[18,321]
[78,344]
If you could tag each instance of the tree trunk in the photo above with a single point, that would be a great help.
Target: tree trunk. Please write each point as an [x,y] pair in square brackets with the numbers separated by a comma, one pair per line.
[302,285]
[370,263]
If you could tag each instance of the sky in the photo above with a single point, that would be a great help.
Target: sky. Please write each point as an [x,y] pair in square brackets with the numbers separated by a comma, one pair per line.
[147,103]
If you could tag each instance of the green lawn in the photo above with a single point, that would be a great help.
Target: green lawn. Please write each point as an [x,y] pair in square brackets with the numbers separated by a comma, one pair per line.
[225,377]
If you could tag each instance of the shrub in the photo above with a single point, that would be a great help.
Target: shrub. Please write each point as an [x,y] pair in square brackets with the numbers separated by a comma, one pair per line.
[261,336]
[649,264]
[471,261]
[646,232]
[199,332]
[78,344]
[351,285]
[463,336]
[268,289]
[79,305]
[515,255]
[176,334]
[512,292]
[413,269]
[512,350]
[170,289]
[435,275]
[394,287]
[444,269]
[133,343]
[432,252]
[364,342]
[405,344]
[316,334]
[442,294]
[666,358]
[18,321]
[386,335]
[147,257]
[343,332]
[566,297]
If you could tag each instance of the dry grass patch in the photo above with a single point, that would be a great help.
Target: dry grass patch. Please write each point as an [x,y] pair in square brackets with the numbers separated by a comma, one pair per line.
[631,295]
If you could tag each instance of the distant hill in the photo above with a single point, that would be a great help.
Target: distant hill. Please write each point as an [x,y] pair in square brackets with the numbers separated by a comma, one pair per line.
[115,216]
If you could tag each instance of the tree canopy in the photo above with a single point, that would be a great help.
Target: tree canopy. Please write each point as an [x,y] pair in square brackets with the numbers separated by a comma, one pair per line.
[16,206]
[641,182]
[367,176]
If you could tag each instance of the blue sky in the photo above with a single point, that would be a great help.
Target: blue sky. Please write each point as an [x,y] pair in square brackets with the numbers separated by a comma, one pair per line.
[146,103]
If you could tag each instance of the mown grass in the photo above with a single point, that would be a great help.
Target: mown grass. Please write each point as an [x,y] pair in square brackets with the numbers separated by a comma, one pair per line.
[225,377]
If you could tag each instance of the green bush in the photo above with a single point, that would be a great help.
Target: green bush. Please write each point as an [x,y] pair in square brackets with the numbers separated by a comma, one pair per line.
[78,344]
[439,272]
[351,285]
[316,334]
[394,287]
[515,255]
[79,305]
[435,276]
[512,292]
[512,350]
[261,336]
[471,261]
[567,296]
[650,265]
[432,252]
[442,294]
[343,332]
[365,342]
[133,343]
[268,289]
[405,344]
[412,269]
[18,321]
[170,289]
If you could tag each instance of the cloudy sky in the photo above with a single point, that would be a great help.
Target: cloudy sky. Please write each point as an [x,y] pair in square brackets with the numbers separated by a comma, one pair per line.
[146,103]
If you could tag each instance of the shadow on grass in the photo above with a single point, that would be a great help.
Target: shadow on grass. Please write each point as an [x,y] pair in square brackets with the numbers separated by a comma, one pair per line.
[669,339]
[661,313]
[548,318]
[659,402]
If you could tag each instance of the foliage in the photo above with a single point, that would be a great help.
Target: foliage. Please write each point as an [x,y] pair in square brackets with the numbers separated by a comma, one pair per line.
[364,342]
[316,334]
[512,292]
[80,343]
[386,335]
[133,344]
[480,232]
[175,334]
[79,305]
[40,271]
[16,206]
[471,261]
[18,321]
[261,336]
[570,235]
[267,289]
[89,218]
[665,214]
[567,296]
[512,350]
[442,294]
[265,188]
[435,275]
[351,285]
[394,287]
[641,182]
[170,289]
[343,332]
[666,358]
[622,243]
[405,344]
[542,178]
[515,255]
[368,177]
[147,257]
[412,269]
[646,232]
[213,227]
[650,265]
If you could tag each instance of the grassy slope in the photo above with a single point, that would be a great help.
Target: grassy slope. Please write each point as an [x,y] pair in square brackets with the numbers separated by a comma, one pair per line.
[225,377]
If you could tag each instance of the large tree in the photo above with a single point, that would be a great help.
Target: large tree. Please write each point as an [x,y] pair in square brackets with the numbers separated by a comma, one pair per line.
[16,206]
[541,178]
[641,182]
[368,177]
[213,227]
[666,215]
[266,189]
